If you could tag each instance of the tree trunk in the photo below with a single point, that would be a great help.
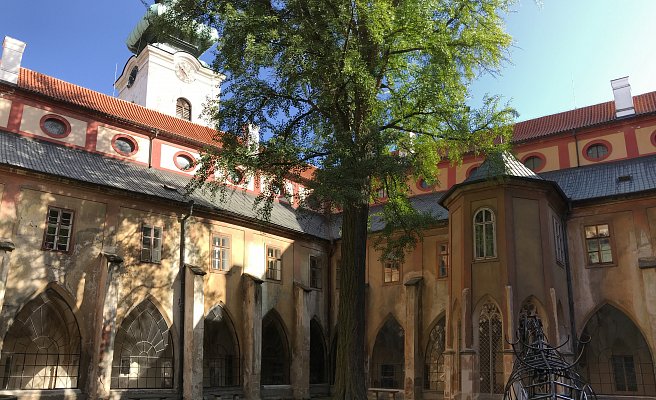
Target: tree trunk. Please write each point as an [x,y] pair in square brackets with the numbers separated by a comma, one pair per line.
[349,372]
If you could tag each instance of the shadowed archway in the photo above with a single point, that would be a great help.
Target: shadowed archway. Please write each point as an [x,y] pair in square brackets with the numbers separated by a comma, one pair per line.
[220,350]
[388,358]
[275,351]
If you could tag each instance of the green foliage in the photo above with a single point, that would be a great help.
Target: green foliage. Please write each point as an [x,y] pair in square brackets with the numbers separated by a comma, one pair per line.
[366,91]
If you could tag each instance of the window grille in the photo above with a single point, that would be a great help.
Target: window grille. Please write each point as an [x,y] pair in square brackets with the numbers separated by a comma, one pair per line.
[274,264]
[275,353]
[490,350]
[434,373]
[59,227]
[143,351]
[151,244]
[183,109]
[220,253]
[315,273]
[624,373]
[42,347]
[220,351]
[387,365]
[484,234]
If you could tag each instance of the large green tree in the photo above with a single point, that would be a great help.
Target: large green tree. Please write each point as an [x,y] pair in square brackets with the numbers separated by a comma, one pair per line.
[371,93]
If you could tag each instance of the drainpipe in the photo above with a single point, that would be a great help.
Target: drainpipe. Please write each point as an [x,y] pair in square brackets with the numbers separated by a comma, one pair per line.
[570,289]
[181,274]
[576,143]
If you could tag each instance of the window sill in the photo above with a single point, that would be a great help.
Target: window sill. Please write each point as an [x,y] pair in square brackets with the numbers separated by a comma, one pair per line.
[600,265]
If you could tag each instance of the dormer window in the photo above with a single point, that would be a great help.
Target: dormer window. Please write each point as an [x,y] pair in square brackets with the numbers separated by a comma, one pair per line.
[183,109]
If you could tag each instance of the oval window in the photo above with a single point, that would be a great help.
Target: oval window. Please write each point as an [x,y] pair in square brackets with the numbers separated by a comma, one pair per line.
[184,162]
[235,176]
[534,163]
[597,151]
[55,127]
[423,185]
[125,146]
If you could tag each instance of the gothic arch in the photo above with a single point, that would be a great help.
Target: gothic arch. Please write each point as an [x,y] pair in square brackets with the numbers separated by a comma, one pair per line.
[531,305]
[617,360]
[143,350]
[42,346]
[388,356]
[275,351]
[318,359]
[434,372]
[489,335]
[221,358]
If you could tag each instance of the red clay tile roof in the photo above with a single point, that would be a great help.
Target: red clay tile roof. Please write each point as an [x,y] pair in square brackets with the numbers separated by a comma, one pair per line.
[579,118]
[523,131]
[77,95]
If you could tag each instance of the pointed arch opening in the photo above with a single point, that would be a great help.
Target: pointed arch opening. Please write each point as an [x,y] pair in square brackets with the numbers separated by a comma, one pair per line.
[387,361]
[42,347]
[434,372]
[220,350]
[317,354]
[275,351]
[617,360]
[143,350]
[490,349]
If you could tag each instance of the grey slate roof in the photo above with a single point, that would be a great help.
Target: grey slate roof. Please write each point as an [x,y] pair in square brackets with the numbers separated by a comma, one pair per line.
[581,183]
[503,164]
[607,179]
[48,158]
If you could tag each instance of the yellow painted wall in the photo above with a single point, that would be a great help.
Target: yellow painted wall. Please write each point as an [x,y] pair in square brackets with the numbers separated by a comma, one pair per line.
[30,123]
[5,108]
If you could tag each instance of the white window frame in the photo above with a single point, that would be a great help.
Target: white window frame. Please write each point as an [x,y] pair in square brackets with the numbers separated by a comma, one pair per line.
[484,225]
[154,244]
[58,227]
[316,272]
[220,260]
[273,263]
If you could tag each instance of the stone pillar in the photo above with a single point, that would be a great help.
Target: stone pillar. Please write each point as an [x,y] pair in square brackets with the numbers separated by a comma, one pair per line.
[300,368]
[99,388]
[413,380]
[469,374]
[252,336]
[6,247]
[194,328]
[449,373]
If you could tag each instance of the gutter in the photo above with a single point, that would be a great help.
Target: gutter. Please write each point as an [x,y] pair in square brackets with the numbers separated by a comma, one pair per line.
[181,274]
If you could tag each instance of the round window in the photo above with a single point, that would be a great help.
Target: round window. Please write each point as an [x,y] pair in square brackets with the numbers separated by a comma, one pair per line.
[55,127]
[184,162]
[235,176]
[534,163]
[125,146]
[423,185]
[597,151]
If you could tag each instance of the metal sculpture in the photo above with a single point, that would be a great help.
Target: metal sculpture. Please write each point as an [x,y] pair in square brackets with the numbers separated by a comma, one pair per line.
[540,371]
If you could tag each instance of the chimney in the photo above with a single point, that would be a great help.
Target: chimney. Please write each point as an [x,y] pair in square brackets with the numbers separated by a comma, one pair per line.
[623,99]
[12,53]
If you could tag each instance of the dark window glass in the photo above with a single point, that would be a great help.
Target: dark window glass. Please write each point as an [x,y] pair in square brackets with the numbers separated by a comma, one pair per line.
[54,127]
[533,163]
[124,146]
[183,109]
[597,151]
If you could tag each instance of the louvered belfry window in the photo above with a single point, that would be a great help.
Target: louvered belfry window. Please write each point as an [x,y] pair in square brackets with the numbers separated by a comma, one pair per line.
[183,109]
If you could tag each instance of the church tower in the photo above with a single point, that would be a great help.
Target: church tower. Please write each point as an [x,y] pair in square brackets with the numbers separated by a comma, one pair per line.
[165,73]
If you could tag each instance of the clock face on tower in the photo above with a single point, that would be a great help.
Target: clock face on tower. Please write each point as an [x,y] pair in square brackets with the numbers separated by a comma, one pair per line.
[185,71]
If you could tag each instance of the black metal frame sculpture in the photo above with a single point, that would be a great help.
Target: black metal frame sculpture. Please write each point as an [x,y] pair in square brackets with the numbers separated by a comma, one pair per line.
[540,371]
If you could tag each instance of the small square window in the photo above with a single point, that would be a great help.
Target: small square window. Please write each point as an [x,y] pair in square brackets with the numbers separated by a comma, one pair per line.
[273,263]
[59,228]
[598,244]
[315,272]
[151,244]
[221,253]
[391,271]
[442,260]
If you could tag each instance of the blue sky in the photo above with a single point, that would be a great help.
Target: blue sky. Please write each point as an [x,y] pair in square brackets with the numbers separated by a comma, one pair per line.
[564,56]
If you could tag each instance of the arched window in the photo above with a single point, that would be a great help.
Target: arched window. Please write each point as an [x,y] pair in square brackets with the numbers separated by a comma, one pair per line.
[387,361]
[485,242]
[183,109]
[275,352]
[220,351]
[434,370]
[490,350]
[617,361]
[143,350]
[42,347]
